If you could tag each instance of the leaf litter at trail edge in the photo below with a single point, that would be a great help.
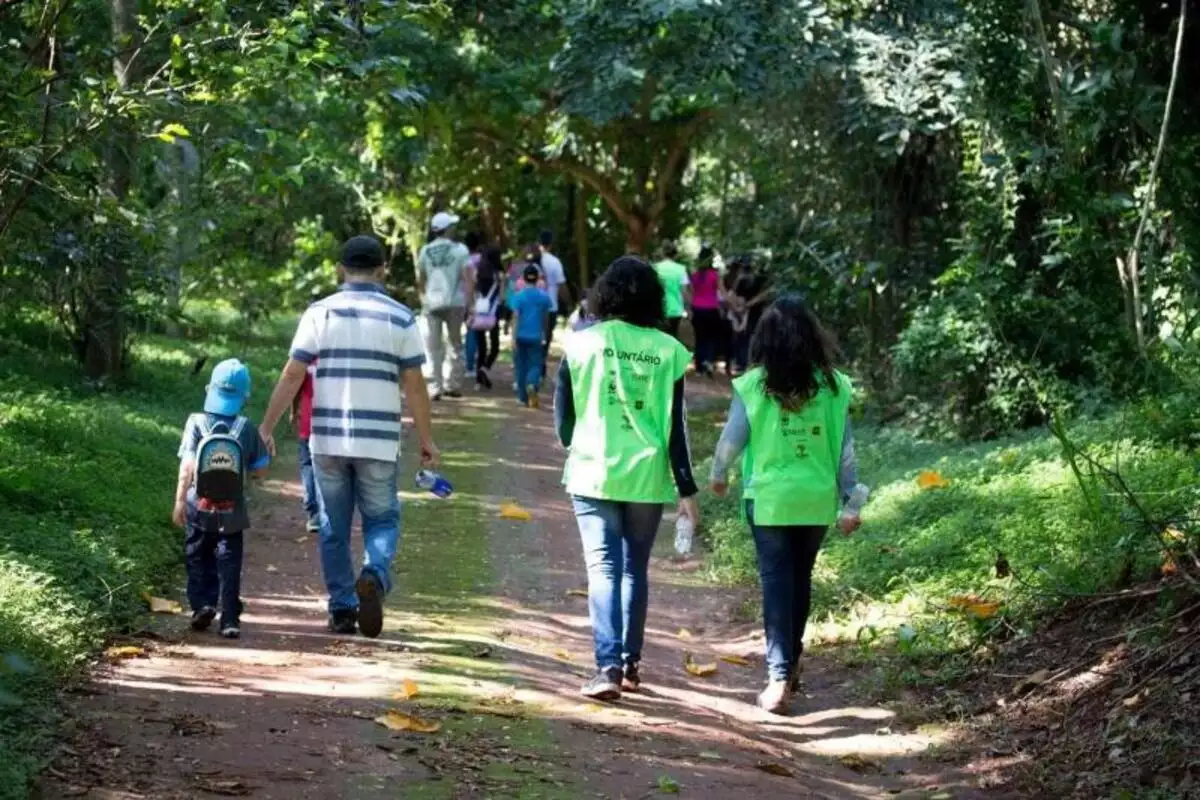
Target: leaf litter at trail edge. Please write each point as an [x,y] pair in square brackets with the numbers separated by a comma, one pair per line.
[740,661]
[399,721]
[161,605]
[124,652]
[514,512]
[408,690]
[932,479]
[699,670]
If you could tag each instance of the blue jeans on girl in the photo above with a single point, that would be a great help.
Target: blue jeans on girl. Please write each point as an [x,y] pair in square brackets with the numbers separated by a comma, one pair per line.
[786,555]
[617,540]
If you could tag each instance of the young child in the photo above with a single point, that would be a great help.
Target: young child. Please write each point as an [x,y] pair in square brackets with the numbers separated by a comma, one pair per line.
[790,415]
[219,448]
[302,414]
[531,315]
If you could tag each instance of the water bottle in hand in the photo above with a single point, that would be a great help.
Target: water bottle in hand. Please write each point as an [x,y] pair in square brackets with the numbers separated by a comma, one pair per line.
[685,533]
[434,483]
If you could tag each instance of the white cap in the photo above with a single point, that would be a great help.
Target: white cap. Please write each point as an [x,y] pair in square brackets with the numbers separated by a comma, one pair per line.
[443,220]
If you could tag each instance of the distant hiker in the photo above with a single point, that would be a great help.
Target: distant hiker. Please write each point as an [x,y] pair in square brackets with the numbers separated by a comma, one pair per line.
[220,447]
[582,316]
[706,310]
[443,279]
[675,283]
[531,316]
[474,244]
[619,411]
[302,419]
[484,320]
[790,415]
[369,351]
[556,287]
[747,297]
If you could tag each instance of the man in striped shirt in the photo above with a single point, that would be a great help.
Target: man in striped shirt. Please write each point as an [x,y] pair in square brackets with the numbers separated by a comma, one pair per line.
[367,348]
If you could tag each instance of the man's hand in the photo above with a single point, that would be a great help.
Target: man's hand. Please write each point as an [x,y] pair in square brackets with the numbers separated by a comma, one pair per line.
[690,509]
[848,523]
[431,458]
[719,488]
[179,515]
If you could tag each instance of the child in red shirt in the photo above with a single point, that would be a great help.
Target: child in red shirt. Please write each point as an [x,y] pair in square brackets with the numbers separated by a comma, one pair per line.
[302,412]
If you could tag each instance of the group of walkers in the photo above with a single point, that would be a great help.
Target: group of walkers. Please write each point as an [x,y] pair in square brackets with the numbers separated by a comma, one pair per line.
[724,308]
[619,412]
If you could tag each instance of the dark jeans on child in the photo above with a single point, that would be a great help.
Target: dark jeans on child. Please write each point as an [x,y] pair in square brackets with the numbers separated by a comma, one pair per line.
[487,347]
[707,324]
[308,480]
[527,359]
[214,572]
[786,555]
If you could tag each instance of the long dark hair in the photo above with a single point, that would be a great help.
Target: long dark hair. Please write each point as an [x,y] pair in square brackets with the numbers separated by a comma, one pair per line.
[795,351]
[629,290]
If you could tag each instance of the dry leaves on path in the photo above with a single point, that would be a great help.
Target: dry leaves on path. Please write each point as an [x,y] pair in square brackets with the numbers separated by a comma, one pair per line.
[775,769]
[161,605]
[740,661]
[975,606]
[514,512]
[125,651]
[399,721]
[408,690]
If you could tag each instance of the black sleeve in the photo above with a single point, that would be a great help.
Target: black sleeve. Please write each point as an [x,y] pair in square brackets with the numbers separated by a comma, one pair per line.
[564,406]
[681,457]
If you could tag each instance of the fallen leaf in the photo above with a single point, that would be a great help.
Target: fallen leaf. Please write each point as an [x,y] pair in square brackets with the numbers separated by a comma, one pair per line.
[563,654]
[1169,567]
[709,755]
[127,651]
[975,606]
[684,633]
[738,660]
[699,670]
[272,568]
[931,479]
[577,593]
[301,539]
[399,721]
[1173,535]
[591,708]
[774,769]
[668,785]
[160,605]
[514,512]
[857,763]
[407,691]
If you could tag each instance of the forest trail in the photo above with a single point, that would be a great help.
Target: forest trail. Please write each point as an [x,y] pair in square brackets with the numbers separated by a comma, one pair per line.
[488,626]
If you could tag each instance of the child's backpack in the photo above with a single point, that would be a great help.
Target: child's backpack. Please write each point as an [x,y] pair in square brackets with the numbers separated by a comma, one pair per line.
[220,465]
[484,316]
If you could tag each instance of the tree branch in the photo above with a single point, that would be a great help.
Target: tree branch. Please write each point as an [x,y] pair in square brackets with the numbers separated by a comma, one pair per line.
[678,150]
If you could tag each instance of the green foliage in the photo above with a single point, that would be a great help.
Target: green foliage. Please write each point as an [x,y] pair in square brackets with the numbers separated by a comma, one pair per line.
[85,492]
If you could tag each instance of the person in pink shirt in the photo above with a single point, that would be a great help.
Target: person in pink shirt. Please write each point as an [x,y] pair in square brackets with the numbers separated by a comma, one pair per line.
[706,311]
[302,416]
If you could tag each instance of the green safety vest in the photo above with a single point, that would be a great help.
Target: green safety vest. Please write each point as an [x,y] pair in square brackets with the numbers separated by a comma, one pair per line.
[623,380]
[791,463]
[672,274]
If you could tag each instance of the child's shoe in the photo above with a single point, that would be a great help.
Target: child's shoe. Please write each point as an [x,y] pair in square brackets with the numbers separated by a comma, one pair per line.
[230,630]
[203,617]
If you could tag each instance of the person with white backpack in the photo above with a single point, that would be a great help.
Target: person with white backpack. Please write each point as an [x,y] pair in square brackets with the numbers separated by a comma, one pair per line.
[220,447]
[484,317]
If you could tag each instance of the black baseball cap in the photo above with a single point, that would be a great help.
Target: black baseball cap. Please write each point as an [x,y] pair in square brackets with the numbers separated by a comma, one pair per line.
[362,252]
[532,274]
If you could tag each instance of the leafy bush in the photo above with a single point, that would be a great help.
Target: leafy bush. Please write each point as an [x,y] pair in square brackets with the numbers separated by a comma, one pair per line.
[86,485]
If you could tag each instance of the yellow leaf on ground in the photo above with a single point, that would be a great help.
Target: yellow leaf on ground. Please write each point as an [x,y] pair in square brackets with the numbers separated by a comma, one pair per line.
[738,660]
[975,606]
[932,479]
[399,721]
[577,593]
[699,670]
[127,651]
[1169,567]
[515,512]
[563,654]
[160,605]
[408,690]
[684,633]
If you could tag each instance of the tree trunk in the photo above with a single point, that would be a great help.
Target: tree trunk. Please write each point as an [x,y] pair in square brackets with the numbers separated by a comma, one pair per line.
[104,324]
[637,235]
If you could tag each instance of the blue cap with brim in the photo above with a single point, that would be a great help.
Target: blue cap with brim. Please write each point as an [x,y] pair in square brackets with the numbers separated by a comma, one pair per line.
[228,389]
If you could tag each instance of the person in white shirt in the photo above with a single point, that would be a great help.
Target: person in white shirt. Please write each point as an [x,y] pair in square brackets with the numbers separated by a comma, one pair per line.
[443,279]
[556,286]
[367,349]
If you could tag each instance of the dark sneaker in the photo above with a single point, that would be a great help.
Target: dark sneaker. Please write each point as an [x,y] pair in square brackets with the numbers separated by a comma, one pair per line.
[453,395]
[482,378]
[344,620]
[631,679]
[313,525]
[606,685]
[436,396]
[230,630]
[370,606]
[202,618]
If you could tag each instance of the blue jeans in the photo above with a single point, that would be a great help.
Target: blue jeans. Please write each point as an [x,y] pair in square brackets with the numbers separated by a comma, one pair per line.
[312,500]
[370,485]
[617,540]
[527,359]
[214,571]
[470,350]
[786,555]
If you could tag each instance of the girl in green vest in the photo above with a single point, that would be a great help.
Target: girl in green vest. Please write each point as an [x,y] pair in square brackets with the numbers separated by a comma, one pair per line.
[789,416]
[619,411]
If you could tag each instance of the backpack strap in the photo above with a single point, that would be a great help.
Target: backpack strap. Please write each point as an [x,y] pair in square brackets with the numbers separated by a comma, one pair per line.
[203,425]
[239,425]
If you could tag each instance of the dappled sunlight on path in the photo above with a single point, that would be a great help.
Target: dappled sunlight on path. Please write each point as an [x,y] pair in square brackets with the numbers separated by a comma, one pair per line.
[489,629]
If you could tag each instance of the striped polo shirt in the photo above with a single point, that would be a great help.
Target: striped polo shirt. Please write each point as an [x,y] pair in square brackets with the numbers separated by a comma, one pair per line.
[361,340]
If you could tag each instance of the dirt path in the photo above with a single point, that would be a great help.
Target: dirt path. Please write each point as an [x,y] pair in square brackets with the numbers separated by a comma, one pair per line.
[487,624]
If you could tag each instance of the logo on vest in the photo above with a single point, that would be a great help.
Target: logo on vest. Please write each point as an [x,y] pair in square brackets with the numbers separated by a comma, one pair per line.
[639,357]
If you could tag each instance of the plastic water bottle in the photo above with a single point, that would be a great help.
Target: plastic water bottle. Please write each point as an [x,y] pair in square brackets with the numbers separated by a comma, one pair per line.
[434,483]
[856,500]
[685,534]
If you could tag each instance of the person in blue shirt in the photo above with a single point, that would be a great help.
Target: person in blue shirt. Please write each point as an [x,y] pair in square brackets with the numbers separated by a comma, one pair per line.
[531,314]
[214,531]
